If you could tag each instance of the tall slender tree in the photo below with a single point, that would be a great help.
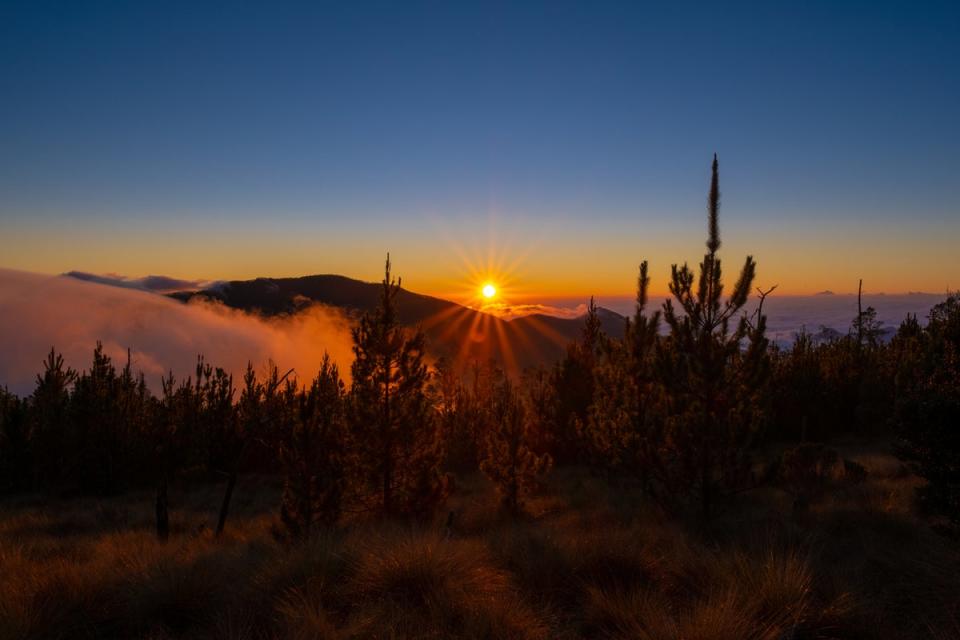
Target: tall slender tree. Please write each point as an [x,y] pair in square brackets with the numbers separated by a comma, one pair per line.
[259,412]
[14,442]
[393,424]
[95,420]
[573,381]
[928,416]
[625,430]
[167,433]
[50,407]
[714,384]
[312,455]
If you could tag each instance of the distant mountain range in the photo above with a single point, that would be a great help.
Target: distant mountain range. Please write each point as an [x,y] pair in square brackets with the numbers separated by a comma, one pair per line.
[457,332]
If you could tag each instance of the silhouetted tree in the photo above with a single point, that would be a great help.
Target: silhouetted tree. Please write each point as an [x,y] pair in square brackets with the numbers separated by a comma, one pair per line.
[394,426]
[167,432]
[312,455]
[181,419]
[49,418]
[261,410]
[96,421]
[541,401]
[625,428]
[928,416]
[14,442]
[508,459]
[574,385]
[865,326]
[219,419]
[135,409]
[714,401]
[798,391]
[454,409]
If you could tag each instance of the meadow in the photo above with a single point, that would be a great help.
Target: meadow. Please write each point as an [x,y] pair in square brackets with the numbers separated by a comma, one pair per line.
[588,559]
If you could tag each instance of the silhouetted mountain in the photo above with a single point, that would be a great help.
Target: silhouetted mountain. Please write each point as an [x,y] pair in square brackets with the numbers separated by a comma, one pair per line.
[452,330]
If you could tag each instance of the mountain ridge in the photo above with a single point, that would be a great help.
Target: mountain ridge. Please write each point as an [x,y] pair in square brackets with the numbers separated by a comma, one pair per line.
[454,331]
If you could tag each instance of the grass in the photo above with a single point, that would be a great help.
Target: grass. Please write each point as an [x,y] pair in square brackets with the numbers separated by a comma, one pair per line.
[587,561]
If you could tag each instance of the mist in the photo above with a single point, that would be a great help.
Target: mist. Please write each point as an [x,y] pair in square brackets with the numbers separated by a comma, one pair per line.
[38,312]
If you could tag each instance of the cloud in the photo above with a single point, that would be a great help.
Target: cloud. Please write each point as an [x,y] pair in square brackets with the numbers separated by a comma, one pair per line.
[157,284]
[512,311]
[38,311]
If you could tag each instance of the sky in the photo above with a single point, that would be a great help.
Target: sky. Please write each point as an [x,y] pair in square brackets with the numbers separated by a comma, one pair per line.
[551,146]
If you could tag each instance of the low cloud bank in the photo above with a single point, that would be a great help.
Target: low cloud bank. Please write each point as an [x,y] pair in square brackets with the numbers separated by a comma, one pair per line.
[512,311]
[38,311]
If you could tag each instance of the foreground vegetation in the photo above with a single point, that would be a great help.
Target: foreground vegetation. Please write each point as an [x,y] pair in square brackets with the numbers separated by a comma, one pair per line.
[586,561]
[670,484]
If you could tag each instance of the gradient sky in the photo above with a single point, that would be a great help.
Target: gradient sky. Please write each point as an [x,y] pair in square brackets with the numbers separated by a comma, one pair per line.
[566,140]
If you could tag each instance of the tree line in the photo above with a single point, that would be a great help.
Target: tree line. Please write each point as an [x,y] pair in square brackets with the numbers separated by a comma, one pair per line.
[676,408]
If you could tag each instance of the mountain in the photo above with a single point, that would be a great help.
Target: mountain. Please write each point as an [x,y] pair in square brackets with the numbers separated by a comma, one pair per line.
[459,333]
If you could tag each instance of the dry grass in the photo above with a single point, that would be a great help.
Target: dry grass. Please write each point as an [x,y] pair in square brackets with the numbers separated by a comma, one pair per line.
[587,562]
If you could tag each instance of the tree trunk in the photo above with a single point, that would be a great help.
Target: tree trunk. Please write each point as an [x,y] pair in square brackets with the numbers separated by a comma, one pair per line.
[225,505]
[387,483]
[513,496]
[163,514]
[705,494]
[388,443]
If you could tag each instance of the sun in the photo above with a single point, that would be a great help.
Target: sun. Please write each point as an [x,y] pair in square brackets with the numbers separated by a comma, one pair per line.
[488,291]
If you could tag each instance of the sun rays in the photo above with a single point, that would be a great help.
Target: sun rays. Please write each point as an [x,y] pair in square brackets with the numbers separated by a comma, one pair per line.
[489,283]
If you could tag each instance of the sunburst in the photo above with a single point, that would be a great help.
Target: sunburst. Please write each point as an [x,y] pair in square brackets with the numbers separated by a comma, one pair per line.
[487,280]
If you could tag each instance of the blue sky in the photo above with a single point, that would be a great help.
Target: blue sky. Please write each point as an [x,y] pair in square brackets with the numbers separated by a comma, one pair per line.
[240,139]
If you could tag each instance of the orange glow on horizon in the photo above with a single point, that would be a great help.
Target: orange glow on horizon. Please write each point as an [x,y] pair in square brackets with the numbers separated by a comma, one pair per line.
[453,260]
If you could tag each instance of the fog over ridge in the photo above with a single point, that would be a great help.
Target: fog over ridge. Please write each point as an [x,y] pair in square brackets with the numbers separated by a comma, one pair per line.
[40,311]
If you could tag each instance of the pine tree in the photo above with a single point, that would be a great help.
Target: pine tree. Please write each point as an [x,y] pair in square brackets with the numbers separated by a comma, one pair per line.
[393,424]
[625,429]
[261,411]
[96,417]
[312,455]
[218,420]
[799,391]
[135,408]
[167,427]
[928,416]
[14,442]
[541,401]
[713,386]
[573,381]
[865,327]
[177,429]
[454,410]
[508,459]
[49,417]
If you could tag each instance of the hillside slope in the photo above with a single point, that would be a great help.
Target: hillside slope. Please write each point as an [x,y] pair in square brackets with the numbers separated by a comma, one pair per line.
[454,331]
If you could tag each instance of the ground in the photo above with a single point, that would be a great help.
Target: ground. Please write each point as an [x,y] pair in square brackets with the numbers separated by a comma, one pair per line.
[588,561]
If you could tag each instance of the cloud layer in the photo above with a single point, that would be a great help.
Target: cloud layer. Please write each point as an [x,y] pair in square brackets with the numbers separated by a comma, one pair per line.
[38,311]
[512,311]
